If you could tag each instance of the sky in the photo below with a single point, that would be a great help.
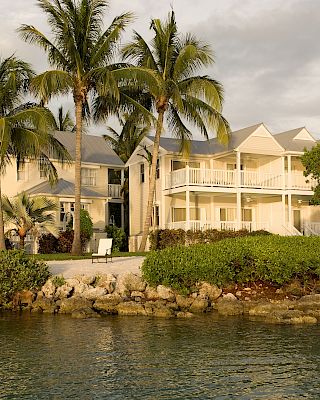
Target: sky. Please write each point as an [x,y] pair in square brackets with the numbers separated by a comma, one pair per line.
[267,52]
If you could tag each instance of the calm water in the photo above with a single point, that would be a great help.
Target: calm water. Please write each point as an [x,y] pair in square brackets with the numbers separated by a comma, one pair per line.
[45,357]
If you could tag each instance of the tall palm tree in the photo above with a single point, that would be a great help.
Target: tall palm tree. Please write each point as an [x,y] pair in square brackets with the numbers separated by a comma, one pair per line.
[29,214]
[81,53]
[168,68]
[64,122]
[24,128]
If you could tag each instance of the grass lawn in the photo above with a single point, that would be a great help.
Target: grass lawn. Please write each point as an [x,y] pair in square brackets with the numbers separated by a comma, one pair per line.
[68,256]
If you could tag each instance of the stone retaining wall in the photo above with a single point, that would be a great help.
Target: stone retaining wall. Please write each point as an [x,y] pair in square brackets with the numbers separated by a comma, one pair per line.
[96,296]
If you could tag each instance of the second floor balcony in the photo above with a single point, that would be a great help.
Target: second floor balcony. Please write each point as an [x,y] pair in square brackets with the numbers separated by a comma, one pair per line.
[230,179]
[114,191]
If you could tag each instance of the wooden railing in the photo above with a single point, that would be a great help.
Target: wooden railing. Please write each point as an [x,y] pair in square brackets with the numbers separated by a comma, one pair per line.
[114,191]
[225,178]
[196,225]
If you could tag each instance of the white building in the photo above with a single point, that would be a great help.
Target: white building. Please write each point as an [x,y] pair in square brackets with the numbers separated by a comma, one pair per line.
[255,183]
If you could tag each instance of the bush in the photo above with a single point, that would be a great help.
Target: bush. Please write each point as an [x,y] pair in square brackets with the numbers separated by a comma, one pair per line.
[163,238]
[19,272]
[49,244]
[273,259]
[118,235]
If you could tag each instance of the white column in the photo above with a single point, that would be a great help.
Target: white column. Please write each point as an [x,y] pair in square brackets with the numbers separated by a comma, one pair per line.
[162,196]
[212,219]
[238,179]
[283,169]
[238,209]
[122,177]
[187,209]
[284,219]
[290,209]
[289,173]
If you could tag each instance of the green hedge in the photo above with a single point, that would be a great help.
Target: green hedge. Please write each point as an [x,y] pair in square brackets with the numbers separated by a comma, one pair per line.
[272,259]
[19,272]
[163,238]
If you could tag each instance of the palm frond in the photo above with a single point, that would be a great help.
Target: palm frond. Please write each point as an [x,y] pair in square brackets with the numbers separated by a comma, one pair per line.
[51,83]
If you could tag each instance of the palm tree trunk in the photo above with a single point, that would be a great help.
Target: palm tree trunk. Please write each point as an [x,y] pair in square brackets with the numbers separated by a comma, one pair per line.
[76,245]
[2,241]
[21,243]
[152,181]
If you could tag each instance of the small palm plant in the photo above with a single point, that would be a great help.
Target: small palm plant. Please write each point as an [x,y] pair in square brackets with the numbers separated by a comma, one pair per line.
[29,215]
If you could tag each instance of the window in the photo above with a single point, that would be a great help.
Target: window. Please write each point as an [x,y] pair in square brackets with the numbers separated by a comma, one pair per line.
[158,169]
[141,173]
[177,164]
[179,214]
[232,167]
[67,210]
[230,214]
[114,176]
[88,177]
[114,210]
[246,214]
[42,168]
[155,216]
[21,172]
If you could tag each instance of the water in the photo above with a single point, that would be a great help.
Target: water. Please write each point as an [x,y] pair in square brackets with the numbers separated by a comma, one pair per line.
[46,357]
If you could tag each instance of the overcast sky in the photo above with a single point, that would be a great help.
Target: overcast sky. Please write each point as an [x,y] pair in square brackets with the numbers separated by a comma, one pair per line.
[267,52]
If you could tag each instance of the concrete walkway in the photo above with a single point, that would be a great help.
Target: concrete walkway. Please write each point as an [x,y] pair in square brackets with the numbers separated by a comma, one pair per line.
[118,266]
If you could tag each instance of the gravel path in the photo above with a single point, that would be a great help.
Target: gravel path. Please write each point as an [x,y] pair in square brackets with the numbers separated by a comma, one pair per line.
[118,266]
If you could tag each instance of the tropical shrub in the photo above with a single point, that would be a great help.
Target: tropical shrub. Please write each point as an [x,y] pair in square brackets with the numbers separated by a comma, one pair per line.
[163,238]
[118,235]
[19,272]
[48,244]
[273,259]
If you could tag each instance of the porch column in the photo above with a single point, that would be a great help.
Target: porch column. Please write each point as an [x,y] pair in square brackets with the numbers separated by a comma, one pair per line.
[238,178]
[162,221]
[283,169]
[122,177]
[290,209]
[187,209]
[238,210]
[289,173]
[284,219]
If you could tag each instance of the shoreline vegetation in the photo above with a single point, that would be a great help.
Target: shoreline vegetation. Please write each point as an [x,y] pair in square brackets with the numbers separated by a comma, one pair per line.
[270,278]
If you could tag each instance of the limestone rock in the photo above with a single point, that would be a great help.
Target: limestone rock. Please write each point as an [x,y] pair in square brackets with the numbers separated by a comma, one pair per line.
[199,305]
[72,282]
[107,281]
[74,303]
[94,293]
[49,289]
[290,317]
[265,308]
[151,293]
[43,304]
[85,313]
[184,314]
[131,308]
[23,298]
[225,306]
[129,282]
[165,293]
[86,279]
[63,291]
[211,292]
[184,302]
[158,309]
[229,297]
[108,303]
[80,288]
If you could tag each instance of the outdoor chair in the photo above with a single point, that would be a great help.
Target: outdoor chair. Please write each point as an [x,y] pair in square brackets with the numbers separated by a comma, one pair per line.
[104,250]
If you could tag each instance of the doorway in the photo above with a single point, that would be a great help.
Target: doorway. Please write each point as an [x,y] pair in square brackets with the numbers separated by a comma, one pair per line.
[297,219]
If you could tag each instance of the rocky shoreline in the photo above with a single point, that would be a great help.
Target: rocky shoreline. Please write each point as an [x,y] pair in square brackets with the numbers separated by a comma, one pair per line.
[97,296]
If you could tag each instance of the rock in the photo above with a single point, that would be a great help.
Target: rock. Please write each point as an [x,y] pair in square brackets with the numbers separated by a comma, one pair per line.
[131,308]
[211,292]
[130,282]
[229,306]
[184,302]
[94,293]
[23,299]
[311,298]
[183,314]
[87,280]
[279,291]
[43,304]
[135,293]
[266,308]
[158,309]
[294,288]
[151,293]
[247,289]
[163,312]
[238,293]
[63,291]
[49,289]
[74,303]
[290,317]
[85,313]
[199,305]
[80,288]
[165,293]
[72,282]
[107,281]
[229,296]
[108,303]
[172,306]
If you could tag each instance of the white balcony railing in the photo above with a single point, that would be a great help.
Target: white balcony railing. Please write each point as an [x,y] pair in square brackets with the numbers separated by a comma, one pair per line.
[226,178]
[196,225]
[114,191]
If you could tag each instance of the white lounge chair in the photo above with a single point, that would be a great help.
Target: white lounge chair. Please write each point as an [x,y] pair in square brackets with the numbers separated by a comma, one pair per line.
[104,250]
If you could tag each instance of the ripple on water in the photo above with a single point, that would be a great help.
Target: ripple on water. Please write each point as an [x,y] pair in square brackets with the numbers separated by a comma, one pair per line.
[45,357]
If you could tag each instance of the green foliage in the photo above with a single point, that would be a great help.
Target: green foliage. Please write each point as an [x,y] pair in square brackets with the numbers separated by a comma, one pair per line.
[86,224]
[58,280]
[272,259]
[20,272]
[118,235]
[163,238]
[48,244]
[311,161]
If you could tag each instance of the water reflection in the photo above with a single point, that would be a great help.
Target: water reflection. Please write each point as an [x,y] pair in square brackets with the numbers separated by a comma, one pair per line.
[45,357]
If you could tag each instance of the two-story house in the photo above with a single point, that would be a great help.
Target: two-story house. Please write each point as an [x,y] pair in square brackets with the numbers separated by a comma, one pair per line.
[102,177]
[254,183]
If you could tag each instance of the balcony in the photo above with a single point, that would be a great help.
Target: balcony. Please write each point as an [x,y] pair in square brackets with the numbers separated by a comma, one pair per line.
[225,178]
[114,191]
[197,225]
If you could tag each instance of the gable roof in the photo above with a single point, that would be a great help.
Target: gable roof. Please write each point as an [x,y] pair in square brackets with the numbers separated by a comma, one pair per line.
[94,148]
[63,188]
[289,143]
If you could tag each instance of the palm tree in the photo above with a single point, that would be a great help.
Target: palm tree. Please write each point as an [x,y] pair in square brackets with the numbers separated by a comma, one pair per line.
[81,53]
[168,67]
[24,128]
[64,122]
[29,214]
[133,130]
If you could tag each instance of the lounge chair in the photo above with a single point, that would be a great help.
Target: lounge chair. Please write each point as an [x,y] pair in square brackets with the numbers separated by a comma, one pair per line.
[104,250]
